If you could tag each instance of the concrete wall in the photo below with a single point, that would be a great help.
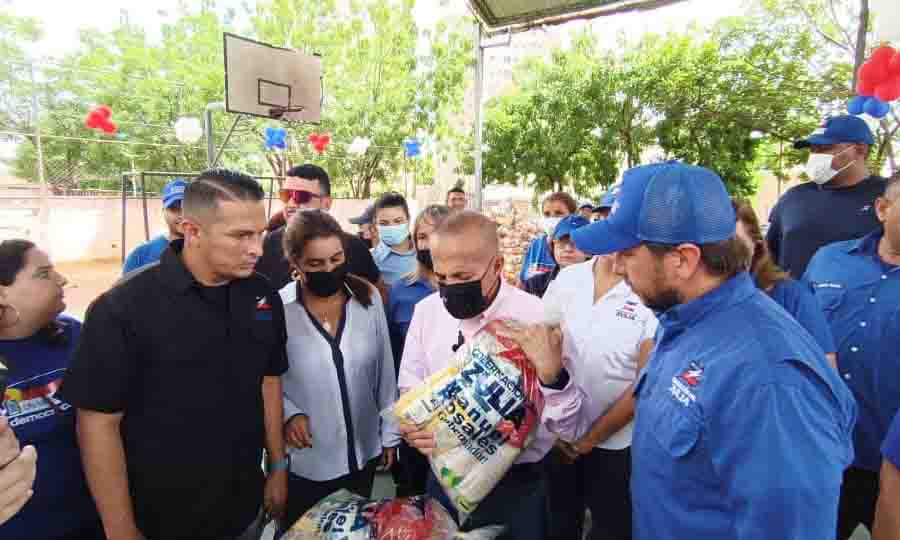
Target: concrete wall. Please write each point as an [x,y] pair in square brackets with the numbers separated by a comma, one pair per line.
[85,228]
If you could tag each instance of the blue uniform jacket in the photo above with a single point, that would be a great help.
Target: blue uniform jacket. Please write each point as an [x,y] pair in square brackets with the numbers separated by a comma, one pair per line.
[860,296]
[742,429]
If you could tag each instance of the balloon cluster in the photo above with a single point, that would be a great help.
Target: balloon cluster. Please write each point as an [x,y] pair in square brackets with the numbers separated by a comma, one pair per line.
[412,147]
[359,146]
[319,142]
[879,83]
[100,118]
[276,138]
[188,130]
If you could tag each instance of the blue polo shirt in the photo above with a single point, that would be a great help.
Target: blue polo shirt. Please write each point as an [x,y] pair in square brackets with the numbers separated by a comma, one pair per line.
[860,296]
[742,429]
[402,301]
[537,260]
[146,253]
[393,264]
[798,299]
[61,504]
[891,447]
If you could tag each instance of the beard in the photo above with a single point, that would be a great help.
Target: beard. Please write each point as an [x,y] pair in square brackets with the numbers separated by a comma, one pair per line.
[663,298]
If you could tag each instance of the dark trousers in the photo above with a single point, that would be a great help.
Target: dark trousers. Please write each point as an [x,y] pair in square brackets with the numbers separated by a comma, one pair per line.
[92,531]
[410,472]
[598,481]
[303,494]
[518,502]
[859,494]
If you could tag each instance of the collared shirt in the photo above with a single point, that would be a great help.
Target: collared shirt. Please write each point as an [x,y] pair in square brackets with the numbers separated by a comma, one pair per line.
[810,216]
[891,447]
[602,340]
[184,364]
[275,266]
[860,296]
[341,383]
[742,429]
[392,263]
[537,260]
[433,333]
[798,299]
[146,253]
[402,300]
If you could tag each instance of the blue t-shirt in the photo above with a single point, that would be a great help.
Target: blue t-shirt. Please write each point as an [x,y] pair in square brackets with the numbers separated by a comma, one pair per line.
[860,296]
[61,503]
[538,259]
[392,264]
[742,429]
[891,447]
[146,253]
[798,299]
[402,301]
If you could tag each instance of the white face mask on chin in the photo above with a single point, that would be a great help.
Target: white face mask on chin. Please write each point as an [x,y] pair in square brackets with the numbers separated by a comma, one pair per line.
[819,168]
[549,225]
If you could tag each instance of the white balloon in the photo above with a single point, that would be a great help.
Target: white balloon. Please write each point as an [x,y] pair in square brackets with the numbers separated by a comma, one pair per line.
[359,145]
[887,19]
[188,130]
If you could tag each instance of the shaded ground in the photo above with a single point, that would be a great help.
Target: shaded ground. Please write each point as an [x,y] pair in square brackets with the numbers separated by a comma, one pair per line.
[87,280]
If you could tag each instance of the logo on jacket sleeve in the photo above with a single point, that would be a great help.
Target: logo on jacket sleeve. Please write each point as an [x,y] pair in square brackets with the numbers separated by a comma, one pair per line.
[263,309]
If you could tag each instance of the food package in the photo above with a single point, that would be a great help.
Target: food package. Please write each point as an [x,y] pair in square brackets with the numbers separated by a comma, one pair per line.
[483,410]
[346,516]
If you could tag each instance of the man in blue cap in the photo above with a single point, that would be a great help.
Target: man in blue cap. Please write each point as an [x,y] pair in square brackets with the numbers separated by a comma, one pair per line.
[857,283]
[563,251]
[837,205]
[742,428]
[149,252]
[601,211]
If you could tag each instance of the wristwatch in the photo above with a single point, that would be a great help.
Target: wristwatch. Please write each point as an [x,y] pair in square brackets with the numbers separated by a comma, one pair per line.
[282,465]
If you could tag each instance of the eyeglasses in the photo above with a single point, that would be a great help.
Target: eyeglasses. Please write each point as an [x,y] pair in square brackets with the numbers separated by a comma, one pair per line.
[299,196]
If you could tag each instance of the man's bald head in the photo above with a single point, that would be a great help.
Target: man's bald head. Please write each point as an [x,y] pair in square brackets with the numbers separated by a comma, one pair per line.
[469,232]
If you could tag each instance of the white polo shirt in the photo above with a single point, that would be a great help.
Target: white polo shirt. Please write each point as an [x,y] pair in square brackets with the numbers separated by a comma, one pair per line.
[600,340]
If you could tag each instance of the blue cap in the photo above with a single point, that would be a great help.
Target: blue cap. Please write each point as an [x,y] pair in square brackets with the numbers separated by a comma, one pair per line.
[585,204]
[173,192]
[665,203]
[609,198]
[840,129]
[368,216]
[568,224]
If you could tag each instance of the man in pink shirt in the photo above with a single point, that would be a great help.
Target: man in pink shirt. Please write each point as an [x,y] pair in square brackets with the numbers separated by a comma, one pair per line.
[468,266]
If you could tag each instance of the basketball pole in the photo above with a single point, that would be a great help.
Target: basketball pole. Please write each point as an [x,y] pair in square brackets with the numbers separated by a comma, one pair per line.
[208,130]
[479,91]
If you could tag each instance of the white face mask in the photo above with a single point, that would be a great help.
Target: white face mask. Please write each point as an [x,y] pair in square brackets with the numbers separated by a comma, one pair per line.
[549,224]
[819,168]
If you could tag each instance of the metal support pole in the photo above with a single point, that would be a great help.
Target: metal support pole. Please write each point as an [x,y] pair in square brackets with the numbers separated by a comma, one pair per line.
[44,209]
[144,205]
[124,211]
[208,131]
[234,124]
[271,191]
[479,91]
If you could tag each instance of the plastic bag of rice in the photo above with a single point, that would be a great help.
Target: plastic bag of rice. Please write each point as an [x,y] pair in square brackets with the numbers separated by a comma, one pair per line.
[347,516]
[483,410]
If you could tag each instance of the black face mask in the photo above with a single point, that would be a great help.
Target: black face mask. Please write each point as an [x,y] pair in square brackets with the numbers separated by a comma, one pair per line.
[324,284]
[464,300]
[424,257]
[366,241]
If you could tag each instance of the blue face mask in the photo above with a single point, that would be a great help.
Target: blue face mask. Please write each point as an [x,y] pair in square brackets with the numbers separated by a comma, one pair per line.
[393,234]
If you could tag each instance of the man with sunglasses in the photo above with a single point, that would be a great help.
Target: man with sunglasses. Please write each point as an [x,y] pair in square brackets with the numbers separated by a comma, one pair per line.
[308,187]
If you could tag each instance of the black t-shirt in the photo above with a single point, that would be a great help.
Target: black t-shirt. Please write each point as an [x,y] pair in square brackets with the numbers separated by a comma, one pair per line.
[809,216]
[275,266]
[537,285]
[184,364]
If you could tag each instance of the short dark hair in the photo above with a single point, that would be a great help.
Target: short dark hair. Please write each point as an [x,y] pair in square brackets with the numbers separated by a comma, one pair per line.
[312,224]
[216,185]
[456,189]
[12,259]
[727,258]
[563,197]
[312,172]
[392,200]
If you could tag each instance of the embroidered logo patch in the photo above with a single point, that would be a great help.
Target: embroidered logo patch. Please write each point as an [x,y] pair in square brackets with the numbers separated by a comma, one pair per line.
[683,385]
[263,309]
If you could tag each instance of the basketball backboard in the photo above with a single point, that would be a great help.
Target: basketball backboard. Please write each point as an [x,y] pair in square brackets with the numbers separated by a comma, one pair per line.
[271,82]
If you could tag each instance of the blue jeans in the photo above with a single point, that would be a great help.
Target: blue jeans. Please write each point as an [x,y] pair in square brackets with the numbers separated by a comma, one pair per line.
[518,502]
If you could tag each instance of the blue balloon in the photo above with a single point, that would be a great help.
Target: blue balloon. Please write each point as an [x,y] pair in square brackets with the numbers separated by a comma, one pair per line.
[857,105]
[876,108]
[412,147]
[276,138]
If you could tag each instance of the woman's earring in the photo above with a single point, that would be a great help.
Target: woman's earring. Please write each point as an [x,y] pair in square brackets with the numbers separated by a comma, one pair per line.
[296,275]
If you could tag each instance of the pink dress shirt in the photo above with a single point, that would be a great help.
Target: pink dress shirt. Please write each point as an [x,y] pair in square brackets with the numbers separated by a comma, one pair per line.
[429,348]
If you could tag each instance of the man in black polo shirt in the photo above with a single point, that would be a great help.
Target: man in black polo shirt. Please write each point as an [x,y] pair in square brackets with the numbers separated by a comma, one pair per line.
[837,205]
[177,380]
[308,187]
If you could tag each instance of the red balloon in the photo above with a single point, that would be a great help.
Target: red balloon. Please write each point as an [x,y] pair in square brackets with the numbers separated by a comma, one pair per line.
[889,90]
[894,65]
[104,111]
[883,55]
[93,120]
[865,88]
[873,73]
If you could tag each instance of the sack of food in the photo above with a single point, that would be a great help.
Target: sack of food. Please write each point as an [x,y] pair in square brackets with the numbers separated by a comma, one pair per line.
[346,516]
[483,410]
